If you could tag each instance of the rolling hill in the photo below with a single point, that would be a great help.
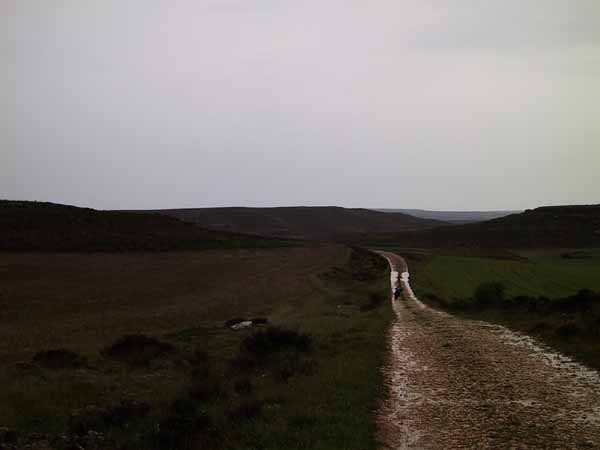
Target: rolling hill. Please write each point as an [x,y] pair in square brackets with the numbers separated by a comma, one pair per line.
[39,226]
[324,223]
[455,217]
[550,226]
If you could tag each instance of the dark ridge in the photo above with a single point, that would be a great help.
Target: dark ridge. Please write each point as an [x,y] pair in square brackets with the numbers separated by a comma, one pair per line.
[41,226]
[454,217]
[324,222]
[549,226]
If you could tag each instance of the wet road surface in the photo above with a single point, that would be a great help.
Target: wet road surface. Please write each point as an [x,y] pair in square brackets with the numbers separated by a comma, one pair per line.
[462,384]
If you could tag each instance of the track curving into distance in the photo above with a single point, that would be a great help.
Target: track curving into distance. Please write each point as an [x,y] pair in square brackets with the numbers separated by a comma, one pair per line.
[462,384]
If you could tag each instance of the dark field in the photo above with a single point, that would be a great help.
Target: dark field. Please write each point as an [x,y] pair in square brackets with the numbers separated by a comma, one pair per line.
[133,346]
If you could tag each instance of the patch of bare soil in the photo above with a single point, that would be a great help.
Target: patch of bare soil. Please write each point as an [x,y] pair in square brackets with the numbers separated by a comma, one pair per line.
[460,384]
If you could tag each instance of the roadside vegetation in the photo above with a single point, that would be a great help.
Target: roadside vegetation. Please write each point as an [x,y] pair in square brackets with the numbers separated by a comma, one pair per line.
[304,375]
[552,294]
[454,274]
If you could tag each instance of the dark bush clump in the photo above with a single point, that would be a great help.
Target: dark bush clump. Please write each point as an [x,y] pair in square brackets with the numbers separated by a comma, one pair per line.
[200,357]
[489,293]
[138,349]
[183,426]
[303,421]
[206,390]
[243,363]
[568,330]
[59,359]
[246,411]
[243,386]
[576,255]
[201,366]
[276,339]
[259,321]
[375,301]
[100,419]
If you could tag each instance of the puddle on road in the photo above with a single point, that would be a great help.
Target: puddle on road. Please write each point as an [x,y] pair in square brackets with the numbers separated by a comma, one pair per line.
[549,356]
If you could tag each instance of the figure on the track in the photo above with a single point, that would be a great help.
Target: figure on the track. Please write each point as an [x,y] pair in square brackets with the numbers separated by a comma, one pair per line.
[397,292]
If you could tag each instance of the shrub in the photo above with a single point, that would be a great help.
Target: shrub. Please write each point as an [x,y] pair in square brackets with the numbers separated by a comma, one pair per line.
[246,411]
[243,386]
[183,426]
[206,390]
[275,339]
[375,301]
[99,419]
[59,359]
[243,363]
[489,293]
[138,349]
[259,321]
[201,366]
[568,330]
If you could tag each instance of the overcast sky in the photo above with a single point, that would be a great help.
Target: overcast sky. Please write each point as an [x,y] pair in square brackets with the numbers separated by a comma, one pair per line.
[438,104]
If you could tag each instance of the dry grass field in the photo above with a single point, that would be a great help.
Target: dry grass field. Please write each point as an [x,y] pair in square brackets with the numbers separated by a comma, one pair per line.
[83,301]
[130,351]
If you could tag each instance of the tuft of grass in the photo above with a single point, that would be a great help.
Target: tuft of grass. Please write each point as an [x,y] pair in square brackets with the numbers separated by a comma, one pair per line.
[59,359]
[376,299]
[138,349]
[276,339]
[243,386]
[246,411]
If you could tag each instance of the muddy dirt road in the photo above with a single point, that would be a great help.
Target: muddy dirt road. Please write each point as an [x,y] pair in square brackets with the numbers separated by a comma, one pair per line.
[459,384]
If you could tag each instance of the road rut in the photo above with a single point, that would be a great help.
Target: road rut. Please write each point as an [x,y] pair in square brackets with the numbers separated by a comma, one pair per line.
[462,384]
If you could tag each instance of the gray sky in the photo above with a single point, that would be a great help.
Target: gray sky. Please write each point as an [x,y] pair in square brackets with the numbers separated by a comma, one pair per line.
[438,104]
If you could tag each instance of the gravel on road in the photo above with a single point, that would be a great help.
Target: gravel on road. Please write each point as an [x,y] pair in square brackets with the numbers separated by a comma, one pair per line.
[462,384]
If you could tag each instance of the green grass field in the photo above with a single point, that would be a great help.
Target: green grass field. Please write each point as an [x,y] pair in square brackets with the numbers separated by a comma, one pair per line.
[533,272]
[448,278]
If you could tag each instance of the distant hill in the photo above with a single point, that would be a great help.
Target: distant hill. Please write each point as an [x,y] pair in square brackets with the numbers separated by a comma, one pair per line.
[38,226]
[552,226]
[324,223]
[455,217]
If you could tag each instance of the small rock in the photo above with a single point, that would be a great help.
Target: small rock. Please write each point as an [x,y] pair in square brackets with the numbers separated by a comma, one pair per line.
[242,325]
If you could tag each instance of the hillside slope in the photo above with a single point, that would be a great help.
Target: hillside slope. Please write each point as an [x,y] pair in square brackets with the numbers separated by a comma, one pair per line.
[38,226]
[300,222]
[551,226]
[455,217]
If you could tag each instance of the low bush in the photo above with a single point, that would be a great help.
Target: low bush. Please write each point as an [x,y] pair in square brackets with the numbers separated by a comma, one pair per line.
[243,386]
[246,411]
[375,301]
[94,418]
[276,339]
[259,321]
[568,330]
[489,293]
[181,429]
[59,359]
[138,349]
[243,363]
[206,391]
